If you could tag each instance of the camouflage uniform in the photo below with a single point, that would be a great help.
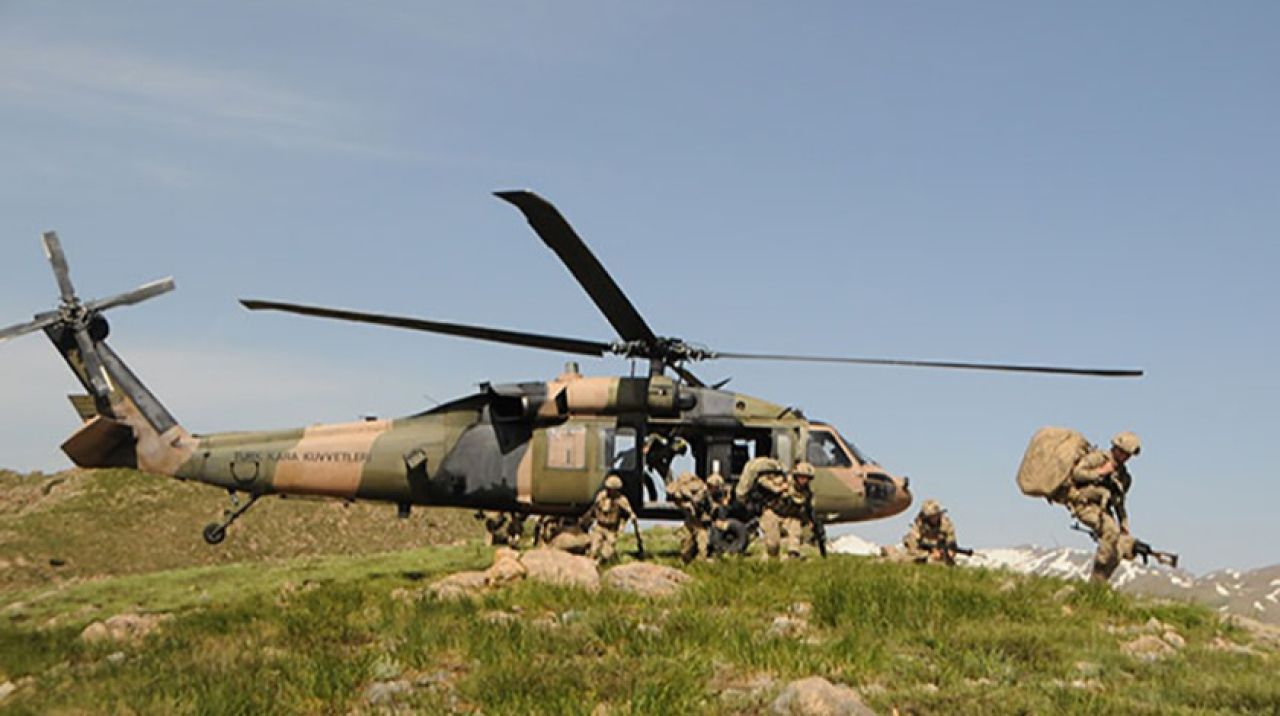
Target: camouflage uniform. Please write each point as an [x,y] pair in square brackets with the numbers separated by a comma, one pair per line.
[610,513]
[785,516]
[502,528]
[720,498]
[1096,493]
[931,527]
[689,493]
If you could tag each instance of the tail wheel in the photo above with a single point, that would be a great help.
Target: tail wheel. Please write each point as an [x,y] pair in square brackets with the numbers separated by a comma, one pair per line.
[214,533]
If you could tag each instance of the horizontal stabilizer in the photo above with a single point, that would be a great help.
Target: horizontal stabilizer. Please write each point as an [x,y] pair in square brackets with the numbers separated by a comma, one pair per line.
[84,406]
[102,442]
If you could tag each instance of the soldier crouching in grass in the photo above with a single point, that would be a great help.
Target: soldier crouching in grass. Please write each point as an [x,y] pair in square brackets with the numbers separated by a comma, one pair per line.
[610,514]
[931,538]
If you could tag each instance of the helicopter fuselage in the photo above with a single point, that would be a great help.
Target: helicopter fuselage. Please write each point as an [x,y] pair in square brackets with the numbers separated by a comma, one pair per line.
[545,448]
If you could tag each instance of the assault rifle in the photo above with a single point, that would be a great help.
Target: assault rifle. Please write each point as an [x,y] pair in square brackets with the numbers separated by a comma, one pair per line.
[1140,549]
[819,529]
[639,540]
[949,550]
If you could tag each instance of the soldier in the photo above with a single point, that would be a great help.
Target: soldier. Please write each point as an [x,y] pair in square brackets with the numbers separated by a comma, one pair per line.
[931,537]
[720,498]
[788,512]
[501,528]
[1095,495]
[610,514]
[689,493]
[495,527]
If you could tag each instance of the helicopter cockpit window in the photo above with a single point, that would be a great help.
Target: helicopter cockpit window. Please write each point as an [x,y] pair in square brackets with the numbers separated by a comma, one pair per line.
[619,449]
[825,450]
[861,456]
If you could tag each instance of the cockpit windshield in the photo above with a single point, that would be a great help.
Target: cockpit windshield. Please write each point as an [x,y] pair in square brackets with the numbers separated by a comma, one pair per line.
[827,448]
[862,457]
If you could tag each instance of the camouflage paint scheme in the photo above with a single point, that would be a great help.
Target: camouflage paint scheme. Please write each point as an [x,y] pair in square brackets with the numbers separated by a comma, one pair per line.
[536,447]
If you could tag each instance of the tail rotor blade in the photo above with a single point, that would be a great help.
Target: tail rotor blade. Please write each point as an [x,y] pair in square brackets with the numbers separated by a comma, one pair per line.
[137,295]
[42,321]
[53,250]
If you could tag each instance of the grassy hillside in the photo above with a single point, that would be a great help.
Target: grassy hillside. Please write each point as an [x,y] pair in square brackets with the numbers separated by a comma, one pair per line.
[82,524]
[345,634]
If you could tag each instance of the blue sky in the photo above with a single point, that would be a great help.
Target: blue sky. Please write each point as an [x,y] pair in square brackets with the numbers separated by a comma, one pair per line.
[1082,184]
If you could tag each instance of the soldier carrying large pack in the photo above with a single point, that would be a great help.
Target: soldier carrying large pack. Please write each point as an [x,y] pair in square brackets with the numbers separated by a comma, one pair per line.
[1093,484]
[788,510]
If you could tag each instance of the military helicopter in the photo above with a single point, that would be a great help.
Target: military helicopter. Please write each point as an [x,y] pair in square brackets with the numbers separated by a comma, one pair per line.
[540,447]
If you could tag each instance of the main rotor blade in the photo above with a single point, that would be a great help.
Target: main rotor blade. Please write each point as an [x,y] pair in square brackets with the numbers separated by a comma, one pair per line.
[137,295]
[92,364]
[497,335]
[560,237]
[53,250]
[41,321]
[1100,372]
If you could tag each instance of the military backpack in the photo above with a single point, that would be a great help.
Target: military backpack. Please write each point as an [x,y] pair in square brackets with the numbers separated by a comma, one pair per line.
[1046,466]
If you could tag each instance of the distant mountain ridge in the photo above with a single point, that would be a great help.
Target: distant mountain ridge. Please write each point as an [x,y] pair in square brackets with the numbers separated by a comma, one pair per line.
[1254,594]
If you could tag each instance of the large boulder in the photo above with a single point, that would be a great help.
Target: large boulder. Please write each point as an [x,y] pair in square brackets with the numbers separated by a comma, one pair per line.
[555,567]
[648,580]
[815,696]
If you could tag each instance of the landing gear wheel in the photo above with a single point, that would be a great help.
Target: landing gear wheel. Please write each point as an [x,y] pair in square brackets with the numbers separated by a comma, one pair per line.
[214,533]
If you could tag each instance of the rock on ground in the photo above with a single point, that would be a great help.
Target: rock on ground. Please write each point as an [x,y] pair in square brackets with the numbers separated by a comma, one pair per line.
[123,627]
[1148,648]
[1264,635]
[555,567]
[459,585]
[506,567]
[385,692]
[815,696]
[648,580]
[785,627]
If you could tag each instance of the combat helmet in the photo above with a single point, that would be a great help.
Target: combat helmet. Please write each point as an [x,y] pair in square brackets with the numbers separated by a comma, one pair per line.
[803,469]
[931,508]
[613,482]
[715,480]
[771,465]
[1128,442]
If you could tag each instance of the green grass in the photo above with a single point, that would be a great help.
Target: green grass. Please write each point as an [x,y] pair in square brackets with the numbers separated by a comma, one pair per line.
[113,522]
[311,635]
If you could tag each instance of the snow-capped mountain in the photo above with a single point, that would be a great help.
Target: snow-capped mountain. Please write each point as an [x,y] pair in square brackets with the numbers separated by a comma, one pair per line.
[1255,594]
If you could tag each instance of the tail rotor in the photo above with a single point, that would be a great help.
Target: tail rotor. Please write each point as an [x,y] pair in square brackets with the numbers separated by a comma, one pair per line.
[80,324]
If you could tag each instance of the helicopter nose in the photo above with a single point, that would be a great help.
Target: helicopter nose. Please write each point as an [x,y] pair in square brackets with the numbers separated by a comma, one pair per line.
[888,495]
[902,495]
